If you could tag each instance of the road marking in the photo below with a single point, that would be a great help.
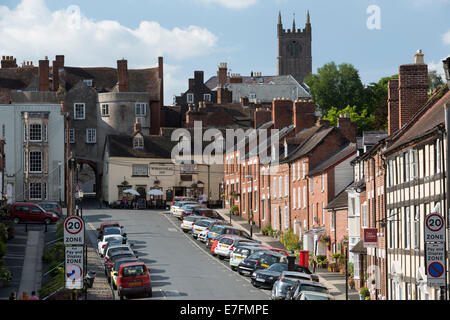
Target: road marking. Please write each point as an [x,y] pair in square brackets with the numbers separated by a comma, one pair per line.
[173,230]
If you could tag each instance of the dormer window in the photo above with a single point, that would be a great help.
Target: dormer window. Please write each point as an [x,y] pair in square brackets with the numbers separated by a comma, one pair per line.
[138,142]
[88,82]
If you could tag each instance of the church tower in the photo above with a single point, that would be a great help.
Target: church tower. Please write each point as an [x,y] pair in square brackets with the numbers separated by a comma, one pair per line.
[294,50]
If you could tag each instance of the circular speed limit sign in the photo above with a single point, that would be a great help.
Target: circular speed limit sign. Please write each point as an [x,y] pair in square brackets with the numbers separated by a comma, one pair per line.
[434,222]
[73,231]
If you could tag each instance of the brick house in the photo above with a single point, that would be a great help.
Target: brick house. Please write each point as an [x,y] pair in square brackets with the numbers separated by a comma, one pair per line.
[2,167]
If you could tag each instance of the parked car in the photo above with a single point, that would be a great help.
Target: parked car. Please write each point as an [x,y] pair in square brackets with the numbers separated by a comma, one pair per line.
[203,235]
[103,242]
[112,276]
[303,285]
[120,241]
[188,222]
[287,280]
[260,260]
[312,295]
[133,278]
[217,240]
[106,225]
[31,212]
[176,208]
[218,230]
[241,252]
[205,212]
[265,278]
[114,255]
[187,210]
[225,247]
[181,198]
[51,206]
[200,226]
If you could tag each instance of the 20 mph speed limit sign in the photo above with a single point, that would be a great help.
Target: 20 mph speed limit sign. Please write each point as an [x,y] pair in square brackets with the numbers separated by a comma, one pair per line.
[73,231]
[434,228]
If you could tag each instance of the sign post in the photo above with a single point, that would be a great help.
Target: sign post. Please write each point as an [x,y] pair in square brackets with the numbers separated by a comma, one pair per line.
[435,250]
[75,262]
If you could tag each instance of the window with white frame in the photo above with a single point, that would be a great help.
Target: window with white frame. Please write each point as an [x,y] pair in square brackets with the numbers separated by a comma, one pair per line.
[79,111]
[35,161]
[333,220]
[364,214]
[298,170]
[71,135]
[293,199]
[35,132]
[414,164]
[263,205]
[313,212]
[88,82]
[35,191]
[406,167]
[263,178]
[274,187]
[323,212]
[299,191]
[304,197]
[286,217]
[323,182]
[138,142]
[274,219]
[286,186]
[437,156]
[105,110]
[293,173]
[207,97]
[91,135]
[280,186]
[140,109]
[303,170]
[140,170]
[407,228]
[311,184]
[416,227]
[190,98]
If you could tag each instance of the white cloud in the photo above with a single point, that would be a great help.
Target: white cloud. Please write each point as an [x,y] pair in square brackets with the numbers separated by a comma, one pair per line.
[31,30]
[438,67]
[446,37]
[232,4]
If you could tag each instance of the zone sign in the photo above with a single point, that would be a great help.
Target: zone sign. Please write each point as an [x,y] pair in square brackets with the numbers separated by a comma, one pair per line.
[73,231]
[434,228]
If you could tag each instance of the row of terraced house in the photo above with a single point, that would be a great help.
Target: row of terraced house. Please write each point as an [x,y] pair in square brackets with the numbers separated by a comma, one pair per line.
[328,185]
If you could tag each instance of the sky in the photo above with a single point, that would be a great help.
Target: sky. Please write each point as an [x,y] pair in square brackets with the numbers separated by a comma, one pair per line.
[375,36]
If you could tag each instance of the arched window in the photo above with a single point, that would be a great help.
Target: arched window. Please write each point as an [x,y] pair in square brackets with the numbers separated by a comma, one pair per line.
[138,142]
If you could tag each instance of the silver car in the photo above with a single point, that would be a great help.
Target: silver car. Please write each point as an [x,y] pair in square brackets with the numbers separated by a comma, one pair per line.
[285,282]
[200,226]
[188,222]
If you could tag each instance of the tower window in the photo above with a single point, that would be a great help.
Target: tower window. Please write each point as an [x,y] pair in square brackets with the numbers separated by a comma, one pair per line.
[294,49]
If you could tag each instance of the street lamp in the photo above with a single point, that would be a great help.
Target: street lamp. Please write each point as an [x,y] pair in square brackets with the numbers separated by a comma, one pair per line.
[251,204]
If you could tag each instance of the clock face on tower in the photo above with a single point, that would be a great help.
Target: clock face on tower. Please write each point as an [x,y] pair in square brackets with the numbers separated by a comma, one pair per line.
[294,48]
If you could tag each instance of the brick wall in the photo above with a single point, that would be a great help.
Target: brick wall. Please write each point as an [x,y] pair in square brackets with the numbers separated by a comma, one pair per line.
[393,120]
[304,116]
[122,75]
[282,110]
[44,75]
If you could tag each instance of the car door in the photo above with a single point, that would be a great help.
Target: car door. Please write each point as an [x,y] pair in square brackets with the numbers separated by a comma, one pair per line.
[22,212]
[36,214]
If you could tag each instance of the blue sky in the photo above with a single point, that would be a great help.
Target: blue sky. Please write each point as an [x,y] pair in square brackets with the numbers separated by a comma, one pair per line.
[198,34]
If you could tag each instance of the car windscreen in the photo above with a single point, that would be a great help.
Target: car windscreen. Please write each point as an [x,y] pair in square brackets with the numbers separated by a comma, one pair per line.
[122,261]
[299,276]
[117,249]
[308,287]
[278,267]
[111,230]
[256,255]
[190,219]
[269,259]
[134,271]
[310,296]
[111,239]
[202,223]
[216,228]
[121,254]
[226,241]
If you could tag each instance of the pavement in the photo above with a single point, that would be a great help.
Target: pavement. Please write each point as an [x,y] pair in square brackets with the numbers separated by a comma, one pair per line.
[24,260]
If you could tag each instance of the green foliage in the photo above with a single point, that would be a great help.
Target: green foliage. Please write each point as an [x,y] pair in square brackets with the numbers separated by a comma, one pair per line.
[234,209]
[363,119]
[435,81]
[54,284]
[339,258]
[267,230]
[322,261]
[351,269]
[5,274]
[290,240]
[364,292]
[3,232]
[54,253]
[59,230]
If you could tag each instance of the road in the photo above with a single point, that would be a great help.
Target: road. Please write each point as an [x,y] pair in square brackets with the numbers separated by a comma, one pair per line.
[180,267]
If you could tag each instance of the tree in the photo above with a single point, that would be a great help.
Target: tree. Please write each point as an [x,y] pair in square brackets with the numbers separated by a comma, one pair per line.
[435,81]
[335,86]
[363,118]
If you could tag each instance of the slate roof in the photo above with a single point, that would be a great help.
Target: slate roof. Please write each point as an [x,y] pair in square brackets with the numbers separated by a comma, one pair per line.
[154,147]
[213,82]
[425,120]
[338,156]
[339,202]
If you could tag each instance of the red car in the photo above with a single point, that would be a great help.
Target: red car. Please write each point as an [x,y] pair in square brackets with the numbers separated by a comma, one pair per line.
[104,225]
[134,278]
[31,212]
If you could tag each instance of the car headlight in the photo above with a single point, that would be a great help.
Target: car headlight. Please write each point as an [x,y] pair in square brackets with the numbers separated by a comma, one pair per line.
[254,274]
[55,215]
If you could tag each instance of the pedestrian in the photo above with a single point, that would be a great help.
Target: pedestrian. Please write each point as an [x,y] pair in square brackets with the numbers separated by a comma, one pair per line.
[24,296]
[12,296]
[34,296]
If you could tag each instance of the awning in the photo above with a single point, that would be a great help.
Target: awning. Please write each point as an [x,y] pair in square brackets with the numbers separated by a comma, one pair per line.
[359,248]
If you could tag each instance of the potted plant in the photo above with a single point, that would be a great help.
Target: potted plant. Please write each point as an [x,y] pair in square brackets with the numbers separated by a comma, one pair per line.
[364,293]
[5,277]
[351,283]
[234,210]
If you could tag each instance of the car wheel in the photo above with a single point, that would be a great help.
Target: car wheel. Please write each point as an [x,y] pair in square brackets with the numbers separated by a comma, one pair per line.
[254,284]
[47,221]
[114,286]
[233,268]
[221,257]
[16,220]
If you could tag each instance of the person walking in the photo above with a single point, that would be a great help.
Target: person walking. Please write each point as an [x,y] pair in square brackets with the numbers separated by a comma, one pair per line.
[12,296]
[24,296]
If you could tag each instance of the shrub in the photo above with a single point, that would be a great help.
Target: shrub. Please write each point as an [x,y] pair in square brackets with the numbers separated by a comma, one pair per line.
[54,254]
[5,274]
[2,248]
[267,230]
[234,209]
[3,232]
[290,240]
[364,292]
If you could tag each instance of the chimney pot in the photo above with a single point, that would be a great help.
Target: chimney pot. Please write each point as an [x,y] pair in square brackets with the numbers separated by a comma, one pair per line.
[418,57]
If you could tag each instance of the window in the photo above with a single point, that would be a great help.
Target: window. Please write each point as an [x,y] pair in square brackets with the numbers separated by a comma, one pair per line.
[35,190]
[293,173]
[88,82]
[407,228]
[286,186]
[303,170]
[391,173]
[311,185]
[105,110]
[286,219]
[252,97]
[280,186]
[364,214]
[140,170]
[190,98]
[414,164]
[3,131]
[35,131]
[91,136]
[313,212]
[293,199]
[274,219]
[323,182]
[391,229]
[140,109]
[298,170]
[35,164]
[274,187]
[138,142]
[406,166]
[299,197]
[333,220]
[437,156]
[263,178]
[263,204]
[79,111]
[71,135]
[323,212]
[416,227]
[304,197]
[207,97]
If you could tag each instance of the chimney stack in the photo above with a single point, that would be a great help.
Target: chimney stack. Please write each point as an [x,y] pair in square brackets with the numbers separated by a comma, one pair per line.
[393,109]
[191,83]
[58,63]
[222,74]
[122,75]
[44,75]
[199,77]
[224,96]
[304,114]
[412,88]
[8,62]
[348,128]
[262,116]
[281,112]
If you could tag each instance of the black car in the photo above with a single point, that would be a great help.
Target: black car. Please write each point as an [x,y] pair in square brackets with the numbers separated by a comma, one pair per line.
[113,258]
[301,285]
[260,260]
[265,278]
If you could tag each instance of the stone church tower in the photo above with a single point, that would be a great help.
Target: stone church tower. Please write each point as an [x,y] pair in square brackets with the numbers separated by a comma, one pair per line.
[294,50]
